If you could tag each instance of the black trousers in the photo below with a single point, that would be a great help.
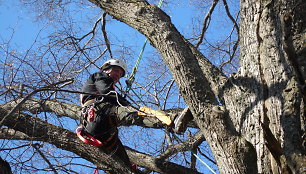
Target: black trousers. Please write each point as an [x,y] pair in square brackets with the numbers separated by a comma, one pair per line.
[103,126]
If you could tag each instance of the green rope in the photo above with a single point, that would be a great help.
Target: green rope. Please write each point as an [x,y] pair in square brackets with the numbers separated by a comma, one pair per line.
[131,79]
[160,3]
[132,76]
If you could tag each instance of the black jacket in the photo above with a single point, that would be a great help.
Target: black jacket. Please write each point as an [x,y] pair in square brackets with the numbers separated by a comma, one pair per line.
[100,83]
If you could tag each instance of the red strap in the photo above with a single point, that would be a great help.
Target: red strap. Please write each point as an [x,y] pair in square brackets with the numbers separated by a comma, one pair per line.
[134,167]
[89,140]
[91,113]
[96,171]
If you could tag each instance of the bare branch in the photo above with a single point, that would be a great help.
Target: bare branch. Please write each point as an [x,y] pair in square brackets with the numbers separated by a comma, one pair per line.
[189,144]
[231,17]
[105,35]
[49,87]
[36,146]
[156,164]
[206,22]
[167,93]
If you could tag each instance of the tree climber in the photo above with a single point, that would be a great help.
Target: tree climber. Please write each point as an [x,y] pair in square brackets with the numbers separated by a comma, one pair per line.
[102,105]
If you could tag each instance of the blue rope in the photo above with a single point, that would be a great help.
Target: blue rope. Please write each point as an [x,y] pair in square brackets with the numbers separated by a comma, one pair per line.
[194,154]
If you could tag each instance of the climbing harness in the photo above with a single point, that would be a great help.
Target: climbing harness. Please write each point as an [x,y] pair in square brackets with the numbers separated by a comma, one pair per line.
[87,138]
[89,116]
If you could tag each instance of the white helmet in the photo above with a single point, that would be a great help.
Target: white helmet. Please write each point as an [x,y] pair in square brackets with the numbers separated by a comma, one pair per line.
[114,62]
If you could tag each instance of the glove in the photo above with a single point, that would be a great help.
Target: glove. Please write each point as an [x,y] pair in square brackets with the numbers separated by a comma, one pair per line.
[160,115]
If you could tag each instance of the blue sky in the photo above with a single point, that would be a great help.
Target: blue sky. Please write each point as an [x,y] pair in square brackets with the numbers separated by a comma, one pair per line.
[17,20]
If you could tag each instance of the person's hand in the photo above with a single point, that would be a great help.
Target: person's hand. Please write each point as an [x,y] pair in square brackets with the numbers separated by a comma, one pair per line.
[162,116]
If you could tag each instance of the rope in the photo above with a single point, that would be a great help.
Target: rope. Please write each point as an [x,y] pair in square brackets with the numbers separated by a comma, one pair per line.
[132,76]
[179,140]
[160,3]
[131,79]
[203,162]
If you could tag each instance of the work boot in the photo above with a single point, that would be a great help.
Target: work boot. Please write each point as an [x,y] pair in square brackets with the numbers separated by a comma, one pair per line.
[180,122]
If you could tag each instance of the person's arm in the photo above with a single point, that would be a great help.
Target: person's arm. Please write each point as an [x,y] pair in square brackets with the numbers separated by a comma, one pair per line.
[87,89]
[129,116]
[97,83]
[103,83]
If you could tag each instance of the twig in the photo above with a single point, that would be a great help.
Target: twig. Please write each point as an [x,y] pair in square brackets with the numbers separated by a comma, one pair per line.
[46,88]
[105,35]
[231,17]
[167,93]
[92,61]
[206,20]
[25,145]
[199,150]
[44,157]
[191,143]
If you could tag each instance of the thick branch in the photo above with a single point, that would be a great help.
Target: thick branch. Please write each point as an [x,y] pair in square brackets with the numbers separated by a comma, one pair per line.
[156,164]
[62,139]
[35,106]
[72,111]
[11,134]
[67,140]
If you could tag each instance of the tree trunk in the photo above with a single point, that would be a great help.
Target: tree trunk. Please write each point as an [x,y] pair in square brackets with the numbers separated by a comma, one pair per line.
[265,101]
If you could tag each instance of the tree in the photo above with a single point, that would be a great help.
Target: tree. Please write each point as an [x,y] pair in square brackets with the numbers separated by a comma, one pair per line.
[256,114]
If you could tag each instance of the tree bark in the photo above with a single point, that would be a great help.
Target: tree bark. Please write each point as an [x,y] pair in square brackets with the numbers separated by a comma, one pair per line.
[267,108]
